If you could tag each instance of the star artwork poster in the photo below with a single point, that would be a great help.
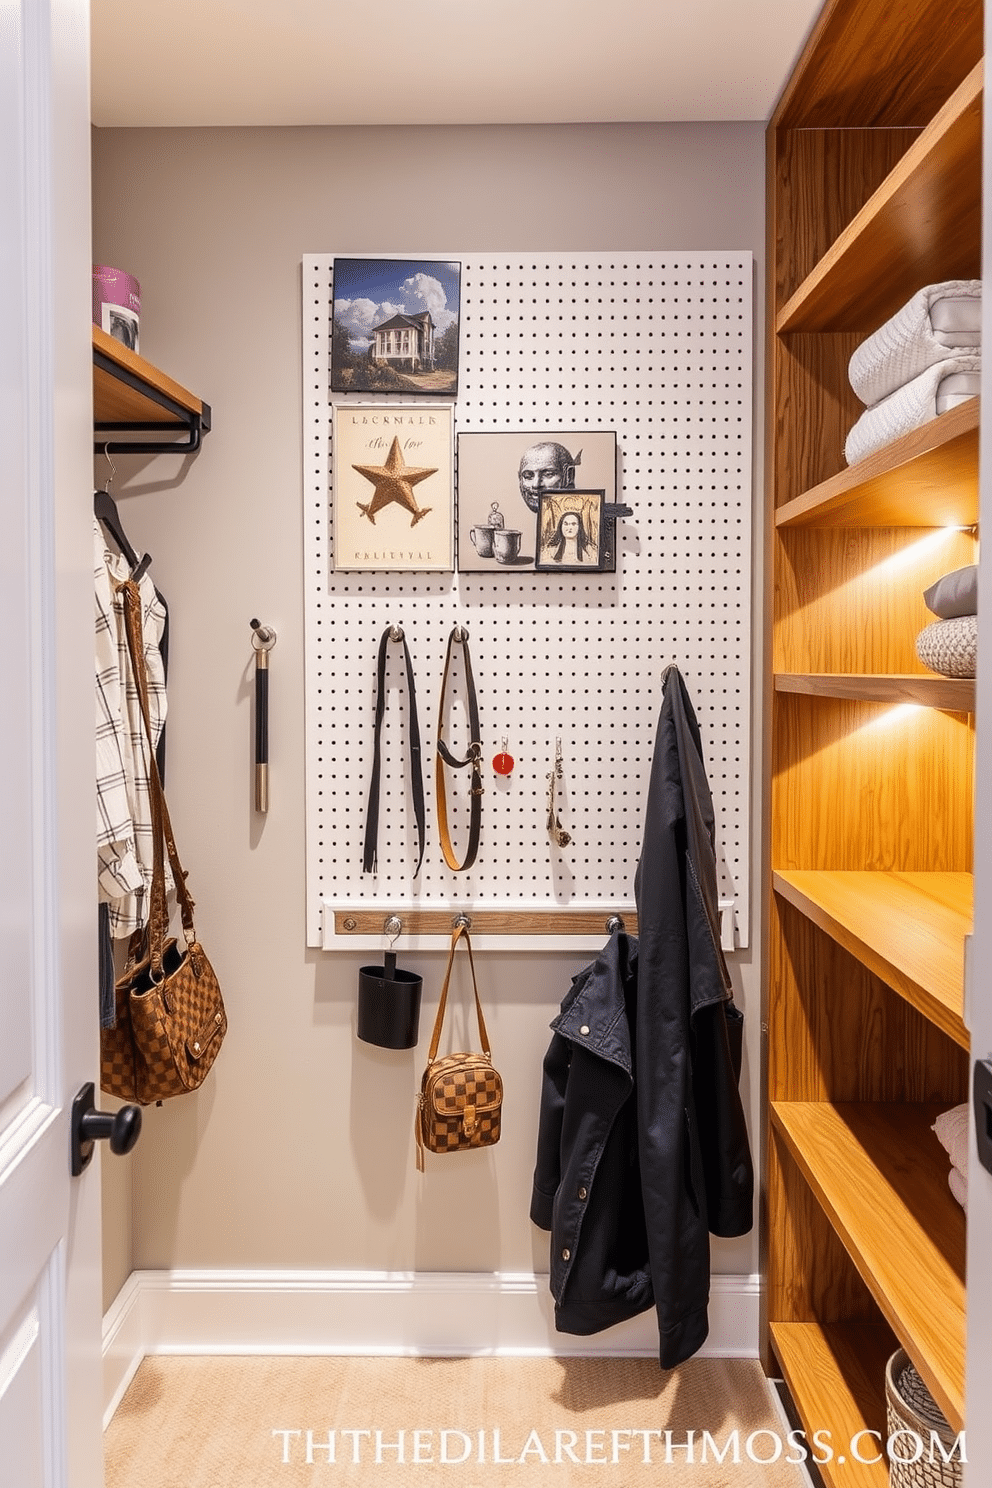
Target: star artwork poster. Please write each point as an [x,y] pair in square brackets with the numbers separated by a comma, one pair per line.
[393,486]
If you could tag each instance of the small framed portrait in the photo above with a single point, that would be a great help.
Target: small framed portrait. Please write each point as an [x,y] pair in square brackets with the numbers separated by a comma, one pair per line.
[570,531]
[394,326]
[393,486]
[500,481]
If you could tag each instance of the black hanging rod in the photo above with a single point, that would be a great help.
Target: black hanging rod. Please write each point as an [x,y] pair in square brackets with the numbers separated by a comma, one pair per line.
[194,423]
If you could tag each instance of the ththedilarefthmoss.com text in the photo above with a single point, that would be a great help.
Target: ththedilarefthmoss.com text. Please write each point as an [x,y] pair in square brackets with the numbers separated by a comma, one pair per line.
[454,1447]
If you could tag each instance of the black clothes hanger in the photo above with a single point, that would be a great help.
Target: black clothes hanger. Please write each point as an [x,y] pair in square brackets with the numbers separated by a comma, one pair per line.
[106,513]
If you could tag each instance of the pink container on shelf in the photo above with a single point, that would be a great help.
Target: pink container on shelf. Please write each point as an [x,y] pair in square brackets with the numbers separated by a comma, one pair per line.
[117,304]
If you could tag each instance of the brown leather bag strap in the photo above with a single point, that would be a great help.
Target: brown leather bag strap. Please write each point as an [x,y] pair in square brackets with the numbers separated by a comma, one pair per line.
[459,637]
[163,839]
[456,935]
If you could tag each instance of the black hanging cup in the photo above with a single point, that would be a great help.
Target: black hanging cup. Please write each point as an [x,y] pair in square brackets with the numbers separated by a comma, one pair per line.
[389,1005]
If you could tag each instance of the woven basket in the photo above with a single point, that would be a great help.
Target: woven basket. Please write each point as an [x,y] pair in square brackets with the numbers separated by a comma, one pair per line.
[950,647]
[916,1425]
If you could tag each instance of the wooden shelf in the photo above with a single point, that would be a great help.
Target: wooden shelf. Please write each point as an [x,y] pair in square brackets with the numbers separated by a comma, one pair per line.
[836,1374]
[880,1175]
[907,928]
[129,393]
[881,67]
[928,478]
[921,226]
[951,694]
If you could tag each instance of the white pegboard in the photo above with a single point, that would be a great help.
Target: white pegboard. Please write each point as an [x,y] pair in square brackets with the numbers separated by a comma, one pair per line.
[659,348]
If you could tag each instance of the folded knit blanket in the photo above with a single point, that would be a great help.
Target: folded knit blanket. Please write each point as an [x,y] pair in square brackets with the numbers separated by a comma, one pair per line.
[958,1184]
[940,321]
[950,647]
[940,387]
[951,1128]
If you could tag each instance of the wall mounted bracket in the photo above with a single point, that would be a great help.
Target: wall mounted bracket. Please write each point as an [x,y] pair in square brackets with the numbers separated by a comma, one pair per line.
[132,396]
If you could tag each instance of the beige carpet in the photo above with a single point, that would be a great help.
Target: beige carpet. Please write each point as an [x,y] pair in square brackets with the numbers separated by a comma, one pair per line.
[469,1423]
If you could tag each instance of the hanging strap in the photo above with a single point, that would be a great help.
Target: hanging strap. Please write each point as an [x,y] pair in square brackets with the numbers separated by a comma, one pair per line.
[459,637]
[456,935]
[163,839]
[369,862]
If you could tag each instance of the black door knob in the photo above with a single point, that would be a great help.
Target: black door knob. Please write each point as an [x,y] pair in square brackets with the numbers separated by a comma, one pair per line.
[89,1125]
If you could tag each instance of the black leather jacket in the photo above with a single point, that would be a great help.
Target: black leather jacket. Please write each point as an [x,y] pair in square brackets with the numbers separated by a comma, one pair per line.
[642,1144]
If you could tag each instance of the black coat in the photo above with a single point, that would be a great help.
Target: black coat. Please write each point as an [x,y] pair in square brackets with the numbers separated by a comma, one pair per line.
[642,1146]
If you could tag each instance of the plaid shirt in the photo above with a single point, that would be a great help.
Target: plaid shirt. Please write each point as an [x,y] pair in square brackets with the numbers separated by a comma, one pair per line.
[123,814]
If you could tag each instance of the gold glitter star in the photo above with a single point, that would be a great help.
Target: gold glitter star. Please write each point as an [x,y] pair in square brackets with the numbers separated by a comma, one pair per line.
[394,481]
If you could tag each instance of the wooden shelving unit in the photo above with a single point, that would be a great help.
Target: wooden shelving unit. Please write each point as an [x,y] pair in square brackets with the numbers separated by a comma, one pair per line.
[897,1219]
[925,479]
[907,928]
[838,1369]
[131,395]
[874,190]
[883,257]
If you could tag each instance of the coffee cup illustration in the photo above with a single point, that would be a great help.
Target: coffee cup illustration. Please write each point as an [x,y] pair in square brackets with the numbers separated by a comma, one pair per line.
[482,540]
[506,545]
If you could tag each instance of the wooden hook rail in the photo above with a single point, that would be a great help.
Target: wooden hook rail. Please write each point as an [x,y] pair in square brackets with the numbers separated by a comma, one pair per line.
[364,921]
[528,928]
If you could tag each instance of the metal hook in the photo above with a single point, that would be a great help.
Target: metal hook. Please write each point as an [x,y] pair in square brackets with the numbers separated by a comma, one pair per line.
[462,922]
[113,469]
[264,635]
[396,632]
[613,924]
[461,634]
[392,928]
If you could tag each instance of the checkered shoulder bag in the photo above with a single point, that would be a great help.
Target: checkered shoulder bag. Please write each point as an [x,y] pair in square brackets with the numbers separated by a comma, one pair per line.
[170,1016]
[461,1095]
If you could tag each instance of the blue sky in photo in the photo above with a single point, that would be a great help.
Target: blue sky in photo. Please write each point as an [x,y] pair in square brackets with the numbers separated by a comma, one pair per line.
[370,291]
[380,279]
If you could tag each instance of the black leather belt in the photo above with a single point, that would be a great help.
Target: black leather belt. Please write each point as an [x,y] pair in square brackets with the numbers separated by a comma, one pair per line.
[394,633]
[459,637]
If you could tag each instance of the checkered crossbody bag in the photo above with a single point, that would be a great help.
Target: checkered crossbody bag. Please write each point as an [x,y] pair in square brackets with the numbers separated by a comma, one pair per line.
[170,1016]
[461,1095]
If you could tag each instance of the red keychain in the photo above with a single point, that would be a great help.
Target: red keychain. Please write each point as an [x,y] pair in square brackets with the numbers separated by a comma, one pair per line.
[503,762]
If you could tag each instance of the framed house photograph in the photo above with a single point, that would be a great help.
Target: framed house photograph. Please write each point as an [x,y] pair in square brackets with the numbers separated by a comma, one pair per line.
[394,326]
[501,478]
[570,531]
[393,486]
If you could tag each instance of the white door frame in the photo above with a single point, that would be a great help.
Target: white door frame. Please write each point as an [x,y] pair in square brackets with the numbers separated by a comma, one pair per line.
[50,1293]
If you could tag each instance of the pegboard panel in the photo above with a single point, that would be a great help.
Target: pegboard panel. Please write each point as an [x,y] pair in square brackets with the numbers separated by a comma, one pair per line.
[657,347]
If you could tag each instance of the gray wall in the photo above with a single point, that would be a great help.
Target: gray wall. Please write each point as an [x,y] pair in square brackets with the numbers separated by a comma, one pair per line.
[299,1151]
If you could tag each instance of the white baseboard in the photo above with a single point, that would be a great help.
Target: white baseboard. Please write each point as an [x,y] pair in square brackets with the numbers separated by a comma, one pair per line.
[350,1312]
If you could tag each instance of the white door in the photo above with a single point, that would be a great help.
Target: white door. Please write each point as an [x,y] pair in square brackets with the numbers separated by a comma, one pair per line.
[50,1300]
[979,1276]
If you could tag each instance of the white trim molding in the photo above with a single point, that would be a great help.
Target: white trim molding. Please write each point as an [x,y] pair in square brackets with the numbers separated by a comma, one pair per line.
[379,1312]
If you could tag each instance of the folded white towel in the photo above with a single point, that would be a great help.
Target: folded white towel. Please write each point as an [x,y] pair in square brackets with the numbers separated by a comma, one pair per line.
[913,405]
[952,1133]
[958,1183]
[941,320]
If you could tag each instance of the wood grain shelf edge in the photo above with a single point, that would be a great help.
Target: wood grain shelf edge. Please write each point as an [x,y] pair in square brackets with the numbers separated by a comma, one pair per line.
[907,928]
[873,1168]
[949,694]
[926,478]
[830,297]
[145,371]
[836,1376]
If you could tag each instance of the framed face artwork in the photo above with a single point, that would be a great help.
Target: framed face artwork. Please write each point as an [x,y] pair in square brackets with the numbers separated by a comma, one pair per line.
[501,481]
[393,486]
[570,532]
